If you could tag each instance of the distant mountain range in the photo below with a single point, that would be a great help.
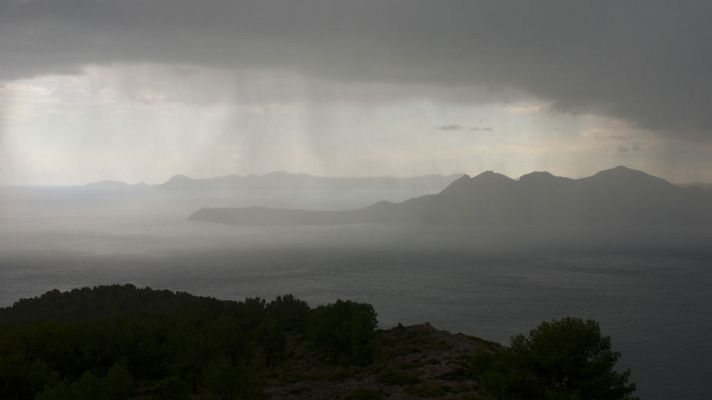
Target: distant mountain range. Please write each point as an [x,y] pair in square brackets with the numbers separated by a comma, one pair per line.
[284,181]
[618,196]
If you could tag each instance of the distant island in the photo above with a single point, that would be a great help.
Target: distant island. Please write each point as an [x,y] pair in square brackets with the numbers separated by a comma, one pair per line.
[617,196]
[121,342]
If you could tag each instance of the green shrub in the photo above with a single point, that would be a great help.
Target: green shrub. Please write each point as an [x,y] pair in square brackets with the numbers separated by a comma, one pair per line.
[562,359]
[21,379]
[116,385]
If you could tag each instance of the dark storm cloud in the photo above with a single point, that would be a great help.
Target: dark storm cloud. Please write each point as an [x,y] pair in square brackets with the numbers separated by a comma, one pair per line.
[646,61]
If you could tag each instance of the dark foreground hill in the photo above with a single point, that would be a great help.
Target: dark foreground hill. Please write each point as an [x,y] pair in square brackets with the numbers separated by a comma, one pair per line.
[618,196]
[122,342]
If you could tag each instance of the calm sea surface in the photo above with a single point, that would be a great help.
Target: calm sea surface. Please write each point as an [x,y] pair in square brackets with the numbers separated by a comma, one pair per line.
[651,295]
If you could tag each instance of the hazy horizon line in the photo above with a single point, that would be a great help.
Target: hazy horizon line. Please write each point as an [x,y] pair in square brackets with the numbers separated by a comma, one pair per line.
[286,172]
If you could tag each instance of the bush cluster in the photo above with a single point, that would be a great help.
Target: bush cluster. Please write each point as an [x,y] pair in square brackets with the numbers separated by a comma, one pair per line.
[113,342]
[566,358]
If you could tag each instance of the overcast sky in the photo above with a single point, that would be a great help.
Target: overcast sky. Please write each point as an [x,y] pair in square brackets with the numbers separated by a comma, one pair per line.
[139,90]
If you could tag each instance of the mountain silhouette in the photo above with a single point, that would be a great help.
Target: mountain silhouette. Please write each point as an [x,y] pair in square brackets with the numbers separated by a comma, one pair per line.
[617,196]
[284,181]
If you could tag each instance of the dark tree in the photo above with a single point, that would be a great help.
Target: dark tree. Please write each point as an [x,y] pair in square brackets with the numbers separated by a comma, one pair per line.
[289,312]
[271,339]
[344,331]
[562,359]
[233,382]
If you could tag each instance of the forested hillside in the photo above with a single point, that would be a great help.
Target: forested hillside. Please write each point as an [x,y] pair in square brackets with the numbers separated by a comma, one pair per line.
[123,342]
